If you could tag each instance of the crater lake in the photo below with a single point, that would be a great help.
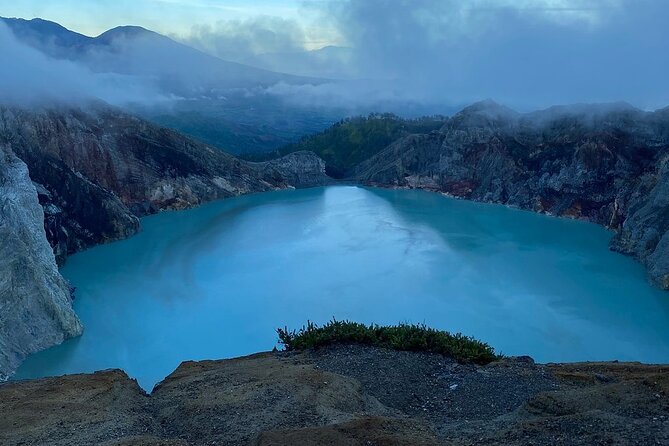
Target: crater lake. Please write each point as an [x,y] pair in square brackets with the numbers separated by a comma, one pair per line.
[216,281]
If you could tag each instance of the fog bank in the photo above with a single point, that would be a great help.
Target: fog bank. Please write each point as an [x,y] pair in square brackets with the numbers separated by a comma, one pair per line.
[525,53]
[30,77]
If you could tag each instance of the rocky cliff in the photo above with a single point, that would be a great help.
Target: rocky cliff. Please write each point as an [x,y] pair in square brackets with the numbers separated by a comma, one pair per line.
[95,170]
[35,302]
[346,395]
[607,164]
[98,169]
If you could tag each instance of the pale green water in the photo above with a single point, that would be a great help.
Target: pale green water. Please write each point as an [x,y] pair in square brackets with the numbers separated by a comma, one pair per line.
[215,282]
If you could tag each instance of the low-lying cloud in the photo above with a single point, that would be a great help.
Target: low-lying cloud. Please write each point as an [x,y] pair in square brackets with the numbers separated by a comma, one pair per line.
[240,40]
[527,53]
[523,53]
[29,77]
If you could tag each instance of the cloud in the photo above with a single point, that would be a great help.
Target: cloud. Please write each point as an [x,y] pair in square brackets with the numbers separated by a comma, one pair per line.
[526,53]
[28,76]
[284,45]
[240,40]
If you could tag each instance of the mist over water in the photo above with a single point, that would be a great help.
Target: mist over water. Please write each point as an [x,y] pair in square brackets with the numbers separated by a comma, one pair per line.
[215,282]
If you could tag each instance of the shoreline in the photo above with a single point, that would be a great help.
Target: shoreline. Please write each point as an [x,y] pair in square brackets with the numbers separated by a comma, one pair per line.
[612,247]
[372,186]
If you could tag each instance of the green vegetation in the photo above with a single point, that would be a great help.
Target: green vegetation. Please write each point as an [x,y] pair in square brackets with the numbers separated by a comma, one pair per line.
[407,337]
[241,125]
[353,140]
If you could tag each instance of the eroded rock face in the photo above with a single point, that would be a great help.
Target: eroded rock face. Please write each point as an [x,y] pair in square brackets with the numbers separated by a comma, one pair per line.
[299,169]
[606,164]
[35,301]
[99,169]
[645,232]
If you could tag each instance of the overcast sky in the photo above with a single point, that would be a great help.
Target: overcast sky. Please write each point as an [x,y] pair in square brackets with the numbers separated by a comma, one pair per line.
[526,53]
[92,17]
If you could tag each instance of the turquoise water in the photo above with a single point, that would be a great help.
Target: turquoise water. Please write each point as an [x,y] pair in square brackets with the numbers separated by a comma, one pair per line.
[216,281]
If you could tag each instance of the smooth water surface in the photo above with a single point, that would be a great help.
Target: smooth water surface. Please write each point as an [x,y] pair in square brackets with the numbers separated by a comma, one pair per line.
[216,281]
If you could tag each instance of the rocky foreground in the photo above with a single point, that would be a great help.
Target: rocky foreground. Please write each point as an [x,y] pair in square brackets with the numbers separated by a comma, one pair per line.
[347,395]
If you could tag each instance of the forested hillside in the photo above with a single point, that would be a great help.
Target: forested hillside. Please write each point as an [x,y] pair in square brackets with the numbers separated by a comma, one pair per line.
[353,140]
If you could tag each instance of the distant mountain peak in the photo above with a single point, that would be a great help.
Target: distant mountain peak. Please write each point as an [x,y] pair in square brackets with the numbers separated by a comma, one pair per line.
[35,22]
[484,113]
[46,36]
[136,51]
[126,31]
[488,106]
[39,27]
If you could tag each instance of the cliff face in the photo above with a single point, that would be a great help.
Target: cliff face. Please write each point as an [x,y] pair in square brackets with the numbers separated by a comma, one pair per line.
[297,169]
[94,171]
[35,303]
[606,164]
[98,169]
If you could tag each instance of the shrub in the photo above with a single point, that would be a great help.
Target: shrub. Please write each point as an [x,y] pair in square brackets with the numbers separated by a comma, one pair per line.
[408,337]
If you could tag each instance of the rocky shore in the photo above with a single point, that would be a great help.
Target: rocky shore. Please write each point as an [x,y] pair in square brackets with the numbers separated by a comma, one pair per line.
[347,395]
[97,169]
[606,163]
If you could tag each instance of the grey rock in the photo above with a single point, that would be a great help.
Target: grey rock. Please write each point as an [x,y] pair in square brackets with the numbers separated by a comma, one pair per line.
[103,168]
[603,163]
[299,169]
[35,301]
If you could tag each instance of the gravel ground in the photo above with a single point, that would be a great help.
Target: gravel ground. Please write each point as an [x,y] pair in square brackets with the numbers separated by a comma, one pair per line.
[346,395]
[438,388]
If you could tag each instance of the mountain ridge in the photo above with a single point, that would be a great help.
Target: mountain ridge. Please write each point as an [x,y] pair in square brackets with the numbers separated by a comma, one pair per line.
[124,47]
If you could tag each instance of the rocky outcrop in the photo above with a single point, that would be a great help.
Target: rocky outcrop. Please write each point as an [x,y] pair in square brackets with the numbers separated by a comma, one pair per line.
[300,169]
[606,164]
[35,301]
[645,232]
[95,170]
[346,395]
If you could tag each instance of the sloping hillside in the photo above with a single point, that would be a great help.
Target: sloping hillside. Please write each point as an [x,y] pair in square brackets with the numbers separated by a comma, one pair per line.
[133,50]
[353,140]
